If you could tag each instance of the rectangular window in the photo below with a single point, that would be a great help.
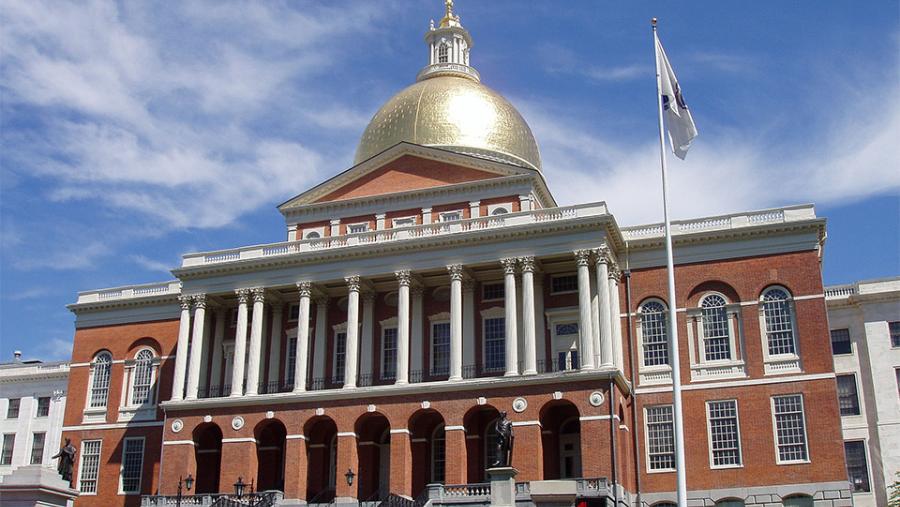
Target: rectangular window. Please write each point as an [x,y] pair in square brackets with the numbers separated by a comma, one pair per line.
[567,360]
[894,328]
[440,348]
[857,468]
[716,336]
[451,216]
[132,465]
[724,433]
[495,344]
[12,411]
[790,428]
[848,398]
[293,312]
[43,406]
[840,342]
[291,361]
[404,222]
[9,443]
[90,466]
[37,448]
[492,291]
[563,283]
[389,353]
[357,228]
[340,357]
[660,438]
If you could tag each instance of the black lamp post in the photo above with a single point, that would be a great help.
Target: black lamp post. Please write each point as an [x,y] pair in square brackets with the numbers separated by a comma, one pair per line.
[189,483]
[349,476]
[239,487]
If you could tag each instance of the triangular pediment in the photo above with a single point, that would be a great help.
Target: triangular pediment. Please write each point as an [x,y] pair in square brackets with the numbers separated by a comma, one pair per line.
[402,168]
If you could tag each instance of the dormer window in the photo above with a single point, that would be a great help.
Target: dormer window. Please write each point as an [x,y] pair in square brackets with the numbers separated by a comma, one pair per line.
[357,228]
[451,216]
[404,222]
[500,211]
[312,235]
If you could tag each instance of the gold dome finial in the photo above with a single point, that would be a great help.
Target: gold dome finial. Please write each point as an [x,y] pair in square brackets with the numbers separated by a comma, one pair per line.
[449,18]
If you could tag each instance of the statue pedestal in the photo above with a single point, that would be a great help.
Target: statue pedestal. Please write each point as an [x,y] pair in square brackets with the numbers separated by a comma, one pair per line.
[503,486]
[34,485]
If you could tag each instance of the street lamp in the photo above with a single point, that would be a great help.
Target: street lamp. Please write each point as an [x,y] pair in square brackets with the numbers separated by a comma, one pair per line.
[239,487]
[349,476]
[189,482]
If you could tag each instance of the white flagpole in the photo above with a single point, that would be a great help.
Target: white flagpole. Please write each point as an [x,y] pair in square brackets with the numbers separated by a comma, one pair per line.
[673,321]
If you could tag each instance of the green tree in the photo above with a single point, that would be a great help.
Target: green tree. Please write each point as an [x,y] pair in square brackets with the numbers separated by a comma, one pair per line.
[894,500]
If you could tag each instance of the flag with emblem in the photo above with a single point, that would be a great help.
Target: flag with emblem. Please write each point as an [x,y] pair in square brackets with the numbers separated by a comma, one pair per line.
[679,122]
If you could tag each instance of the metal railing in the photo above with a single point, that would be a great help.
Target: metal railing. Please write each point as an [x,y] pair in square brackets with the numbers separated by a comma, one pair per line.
[259,499]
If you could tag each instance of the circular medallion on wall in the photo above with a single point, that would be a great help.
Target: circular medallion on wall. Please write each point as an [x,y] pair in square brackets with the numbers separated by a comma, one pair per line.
[519,405]
[426,404]
[237,423]
[370,408]
[320,411]
[207,418]
[177,425]
[270,414]
[596,398]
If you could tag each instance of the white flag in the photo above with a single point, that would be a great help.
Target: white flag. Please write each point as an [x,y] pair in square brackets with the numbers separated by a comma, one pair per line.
[678,119]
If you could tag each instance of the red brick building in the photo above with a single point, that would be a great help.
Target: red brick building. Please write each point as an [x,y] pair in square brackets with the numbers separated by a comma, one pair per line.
[436,284]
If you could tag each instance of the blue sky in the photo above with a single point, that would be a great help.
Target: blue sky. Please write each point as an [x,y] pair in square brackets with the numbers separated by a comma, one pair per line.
[134,132]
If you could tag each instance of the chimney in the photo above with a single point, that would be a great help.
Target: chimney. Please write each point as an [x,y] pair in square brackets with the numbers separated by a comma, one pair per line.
[17,356]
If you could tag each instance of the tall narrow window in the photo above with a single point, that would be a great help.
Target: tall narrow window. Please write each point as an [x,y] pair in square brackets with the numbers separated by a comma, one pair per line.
[12,410]
[848,398]
[438,455]
[790,428]
[894,329]
[654,335]
[389,353]
[100,382]
[340,356]
[724,433]
[43,406]
[660,438]
[291,361]
[9,443]
[779,322]
[440,348]
[716,338]
[143,378]
[37,448]
[840,341]
[132,465]
[443,53]
[857,468]
[492,291]
[495,344]
[90,466]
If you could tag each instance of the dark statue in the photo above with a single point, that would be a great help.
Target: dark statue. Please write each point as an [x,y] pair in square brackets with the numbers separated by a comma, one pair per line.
[66,463]
[503,442]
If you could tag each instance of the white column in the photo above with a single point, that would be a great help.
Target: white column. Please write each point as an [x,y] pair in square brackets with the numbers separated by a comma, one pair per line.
[512,335]
[302,355]
[351,363]
[336,227]
[616,319]
[595,318]
[474,209]
[193,381]
[403,277]
[204,363]
[240,344]
[275,343]
[319,360]
[468,298]
[215,375]
[528,326]
[255,354]
[181,350]
[456,328]
[416,338]
[540,333]
[606,342]
[366,341]
[582,259]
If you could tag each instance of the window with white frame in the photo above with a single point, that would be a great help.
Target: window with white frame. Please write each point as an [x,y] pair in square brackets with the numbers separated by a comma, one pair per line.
[404,222]
[857,466]
[12,409]
[562,284]
[312,235]
[142,378]
[660,438]
[438,455]
[724,433]
[291,361]
[132,465]
[654,334]
[100,372]
[357,228]
[495,344]
[565,345]
[90,466]
[9,444]
[493,291]
[440,348]
[443,53]
[779,322]
[450,216]
[340,356]
[500,210]
[716,336]
[848,396]
[894,330]
[840,342]
[43,406]
[37,448]
[293,312]
[790,428]
[389,353]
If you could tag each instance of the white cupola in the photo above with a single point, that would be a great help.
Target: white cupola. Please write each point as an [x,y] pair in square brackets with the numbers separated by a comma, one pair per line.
[448,48]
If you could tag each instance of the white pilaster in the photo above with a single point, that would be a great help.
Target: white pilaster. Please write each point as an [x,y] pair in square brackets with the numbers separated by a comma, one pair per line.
[474,209]
[336,227]
[618,359]
[524,203]
[595,318]
[240,344]
[302,354]
[456,327]
[606,342]
[379,221]
[403,277]
[319,359]
[366,340]
[582,259]
[416,338]
[181,349]
[215,374]
[468,298]
[193,381]
[540,334]
[352,358]
[254,360]
[528,325]
[275,343]
[512,335]
[426,216]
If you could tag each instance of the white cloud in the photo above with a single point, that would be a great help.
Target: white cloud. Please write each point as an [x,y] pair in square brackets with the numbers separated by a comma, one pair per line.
[62,258]
[54,349]
[151,264]
[30,293]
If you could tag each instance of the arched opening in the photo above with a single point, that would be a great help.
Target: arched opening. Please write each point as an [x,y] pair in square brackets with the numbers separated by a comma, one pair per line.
[798,501]
[374,454]
[561,440]
[271,442]
[426,429]
[479,424]
[208,455]
[321,454]
[730,502]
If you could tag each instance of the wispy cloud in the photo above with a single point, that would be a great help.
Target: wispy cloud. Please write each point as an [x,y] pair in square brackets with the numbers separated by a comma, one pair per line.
[557,59]
[30,293]
[61,258]
[151,265]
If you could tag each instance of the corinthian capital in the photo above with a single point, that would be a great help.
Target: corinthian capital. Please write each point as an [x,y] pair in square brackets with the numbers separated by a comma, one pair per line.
[603,255]
[352,283]
[305,289]
[456,272]
[528,265]
[509,265]
[582,257]
[243,295]
[403,277]
[185,302]
[259,295]
[200,301]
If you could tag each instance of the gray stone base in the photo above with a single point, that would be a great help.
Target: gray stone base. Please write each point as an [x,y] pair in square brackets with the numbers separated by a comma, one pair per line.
[31,486]
[819,494]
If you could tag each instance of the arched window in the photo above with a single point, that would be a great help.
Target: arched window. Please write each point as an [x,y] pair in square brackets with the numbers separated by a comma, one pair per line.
[142,378]
[500,211]
[779,322]
[654,333]
[716,337]
[313,235]
[438,454]
[797,501]
[731,502]
[100,371]
[443,53]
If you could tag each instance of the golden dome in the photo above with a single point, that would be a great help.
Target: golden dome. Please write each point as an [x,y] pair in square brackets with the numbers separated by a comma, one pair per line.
[455,113]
